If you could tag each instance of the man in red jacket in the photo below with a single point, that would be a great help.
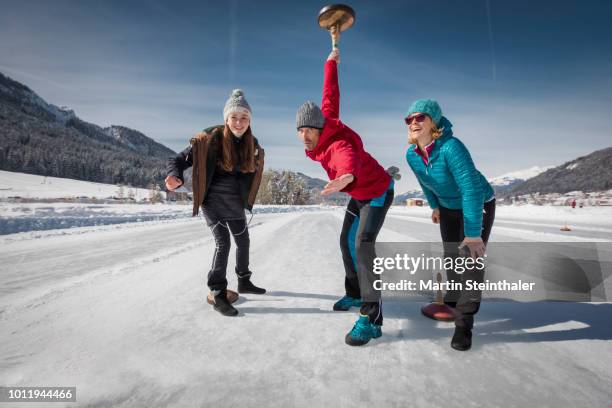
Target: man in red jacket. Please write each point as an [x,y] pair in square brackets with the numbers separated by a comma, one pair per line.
[351,170]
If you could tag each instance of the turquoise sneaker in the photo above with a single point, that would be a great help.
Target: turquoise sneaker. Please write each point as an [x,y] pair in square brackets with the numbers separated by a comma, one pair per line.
[362,332]
[376,330]
[346,302]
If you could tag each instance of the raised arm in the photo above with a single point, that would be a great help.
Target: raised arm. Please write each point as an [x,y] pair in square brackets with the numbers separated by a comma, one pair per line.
[330,105]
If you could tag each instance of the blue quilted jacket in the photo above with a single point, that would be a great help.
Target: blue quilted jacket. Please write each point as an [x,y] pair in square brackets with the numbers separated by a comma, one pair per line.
[451,180]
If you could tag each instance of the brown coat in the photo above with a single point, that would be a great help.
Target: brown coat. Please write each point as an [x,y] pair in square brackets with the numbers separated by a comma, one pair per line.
[205,148]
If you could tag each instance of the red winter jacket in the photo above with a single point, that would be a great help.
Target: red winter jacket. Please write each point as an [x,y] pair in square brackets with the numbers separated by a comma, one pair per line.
[340,150]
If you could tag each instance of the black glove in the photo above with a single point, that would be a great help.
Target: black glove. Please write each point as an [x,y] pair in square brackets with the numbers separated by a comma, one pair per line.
[394,173]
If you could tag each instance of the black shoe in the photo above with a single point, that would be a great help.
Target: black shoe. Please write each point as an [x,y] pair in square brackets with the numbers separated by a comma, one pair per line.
[451,297]
[450,304]
[462,339]
[246,286]
[223,306]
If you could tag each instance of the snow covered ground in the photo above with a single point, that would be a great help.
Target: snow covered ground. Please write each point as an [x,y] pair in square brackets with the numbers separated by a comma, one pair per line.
[13,184]
[588,222]
[533,222]
[118,311]
[110,298]
[24,217]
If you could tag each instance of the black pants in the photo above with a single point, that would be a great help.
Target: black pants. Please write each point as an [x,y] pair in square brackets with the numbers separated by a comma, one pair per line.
[466,302]
[221,232]
[362,223]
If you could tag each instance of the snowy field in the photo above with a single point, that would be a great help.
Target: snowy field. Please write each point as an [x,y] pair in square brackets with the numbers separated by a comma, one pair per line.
[24,185]
[118,311]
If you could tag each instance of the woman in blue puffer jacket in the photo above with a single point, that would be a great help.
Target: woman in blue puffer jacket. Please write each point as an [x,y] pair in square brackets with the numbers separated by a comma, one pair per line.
[462,201]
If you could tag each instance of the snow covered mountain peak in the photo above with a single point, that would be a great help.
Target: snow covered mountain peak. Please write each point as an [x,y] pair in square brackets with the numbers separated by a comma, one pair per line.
[518,176]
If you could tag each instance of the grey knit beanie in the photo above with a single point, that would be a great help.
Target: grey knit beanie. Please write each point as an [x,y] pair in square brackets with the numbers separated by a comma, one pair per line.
[309,115]
[236,103]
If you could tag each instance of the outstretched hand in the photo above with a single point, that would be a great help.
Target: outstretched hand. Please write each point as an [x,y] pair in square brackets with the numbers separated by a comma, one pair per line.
[334,55]
[337,184]
[173,182]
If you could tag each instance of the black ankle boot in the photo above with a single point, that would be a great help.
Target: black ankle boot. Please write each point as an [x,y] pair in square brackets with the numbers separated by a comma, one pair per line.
[246,286]
[462,339]
[223,306]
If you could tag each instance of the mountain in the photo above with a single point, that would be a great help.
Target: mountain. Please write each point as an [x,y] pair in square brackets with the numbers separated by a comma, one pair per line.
[592,172]
[138,142]
[311,183]
[401,198]
[37,137]
[315,185]
[508,181]
[588,173]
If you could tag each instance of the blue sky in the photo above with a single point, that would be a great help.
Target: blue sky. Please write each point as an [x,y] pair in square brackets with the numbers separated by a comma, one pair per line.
[525,83]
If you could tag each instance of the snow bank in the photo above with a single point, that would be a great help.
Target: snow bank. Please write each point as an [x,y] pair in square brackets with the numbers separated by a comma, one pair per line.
[32,186]
[555,215]
[24,217]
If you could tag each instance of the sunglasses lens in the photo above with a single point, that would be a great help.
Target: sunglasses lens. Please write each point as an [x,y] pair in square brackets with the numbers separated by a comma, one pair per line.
[419,118]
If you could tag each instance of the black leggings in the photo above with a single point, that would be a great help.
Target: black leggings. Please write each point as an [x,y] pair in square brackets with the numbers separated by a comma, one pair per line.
[466,302]
[221,232]
[362,223]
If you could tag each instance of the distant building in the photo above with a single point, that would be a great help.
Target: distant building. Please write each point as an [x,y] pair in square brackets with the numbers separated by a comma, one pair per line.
[415,202]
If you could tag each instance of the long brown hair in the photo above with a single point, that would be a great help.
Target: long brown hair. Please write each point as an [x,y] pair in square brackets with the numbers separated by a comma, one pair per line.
[246,153]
